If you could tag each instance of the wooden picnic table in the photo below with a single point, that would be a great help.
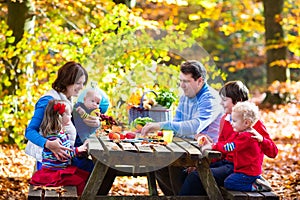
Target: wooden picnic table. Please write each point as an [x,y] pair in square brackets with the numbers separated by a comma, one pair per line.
[134,158]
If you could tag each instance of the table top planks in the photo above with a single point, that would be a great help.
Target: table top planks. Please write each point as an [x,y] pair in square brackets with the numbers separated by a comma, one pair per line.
[140,153]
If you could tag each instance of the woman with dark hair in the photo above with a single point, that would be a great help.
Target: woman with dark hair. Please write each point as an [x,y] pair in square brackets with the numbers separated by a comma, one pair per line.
[71,79]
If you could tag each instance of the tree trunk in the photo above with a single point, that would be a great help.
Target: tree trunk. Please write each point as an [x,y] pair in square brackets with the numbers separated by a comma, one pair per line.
[276,48]
[19,19]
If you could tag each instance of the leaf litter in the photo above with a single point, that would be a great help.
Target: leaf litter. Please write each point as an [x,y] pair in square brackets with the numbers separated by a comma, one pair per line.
[283,172]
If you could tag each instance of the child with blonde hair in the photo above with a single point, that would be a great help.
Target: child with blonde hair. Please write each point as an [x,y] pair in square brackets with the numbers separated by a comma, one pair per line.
[247,153]
[55,172]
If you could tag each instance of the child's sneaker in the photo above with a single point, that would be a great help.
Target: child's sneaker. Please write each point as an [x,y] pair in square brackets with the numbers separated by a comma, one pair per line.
[263,184]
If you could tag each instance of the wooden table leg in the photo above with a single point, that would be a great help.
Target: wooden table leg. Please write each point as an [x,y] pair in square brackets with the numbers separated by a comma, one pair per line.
[208,181]
[152,184]
[95,181]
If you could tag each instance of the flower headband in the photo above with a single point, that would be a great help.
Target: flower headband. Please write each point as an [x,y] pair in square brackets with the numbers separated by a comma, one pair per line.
[60,107]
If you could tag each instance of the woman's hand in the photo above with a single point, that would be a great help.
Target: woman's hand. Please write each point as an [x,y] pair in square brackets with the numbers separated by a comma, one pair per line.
[80,110]
[150,127]
[92,121]
[59,151]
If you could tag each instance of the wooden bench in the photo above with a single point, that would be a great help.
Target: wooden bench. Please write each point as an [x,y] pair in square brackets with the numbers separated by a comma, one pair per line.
[236,195]
[53,193]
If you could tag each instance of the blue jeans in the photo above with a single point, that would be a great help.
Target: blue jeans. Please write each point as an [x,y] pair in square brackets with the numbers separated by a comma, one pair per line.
[240,182]
[192,184]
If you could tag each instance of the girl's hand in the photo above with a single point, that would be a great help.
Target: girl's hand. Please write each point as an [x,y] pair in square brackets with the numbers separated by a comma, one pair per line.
[92,121]
[257,136]
[83,148]
[59,151]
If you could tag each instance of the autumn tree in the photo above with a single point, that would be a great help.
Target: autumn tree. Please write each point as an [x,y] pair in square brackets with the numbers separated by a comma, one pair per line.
[114,43]
[275,46]
[241,35]
[19,20]
[119,45]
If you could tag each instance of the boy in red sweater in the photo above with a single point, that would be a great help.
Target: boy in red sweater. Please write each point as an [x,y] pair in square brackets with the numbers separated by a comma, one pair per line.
[247,154]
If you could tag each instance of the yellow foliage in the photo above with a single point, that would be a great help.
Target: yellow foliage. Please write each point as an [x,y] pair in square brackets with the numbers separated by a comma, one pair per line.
[135,98]
[193,17]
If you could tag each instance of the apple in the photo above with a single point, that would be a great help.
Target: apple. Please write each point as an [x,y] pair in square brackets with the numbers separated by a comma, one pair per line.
[130,135]
[113,136]
[122,136]
[202,140]
[160,133]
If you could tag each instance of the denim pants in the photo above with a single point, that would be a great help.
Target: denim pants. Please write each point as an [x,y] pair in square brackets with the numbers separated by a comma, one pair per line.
[240,182]
[192,184]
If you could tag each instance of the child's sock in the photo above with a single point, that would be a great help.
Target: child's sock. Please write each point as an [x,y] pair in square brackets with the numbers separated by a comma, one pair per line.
[256,187]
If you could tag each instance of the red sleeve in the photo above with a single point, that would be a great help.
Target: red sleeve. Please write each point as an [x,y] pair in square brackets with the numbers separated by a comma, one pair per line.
[267,146]
[219,146]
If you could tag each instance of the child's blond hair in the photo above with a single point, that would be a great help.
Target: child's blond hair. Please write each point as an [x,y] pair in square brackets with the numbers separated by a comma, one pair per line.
[248,110]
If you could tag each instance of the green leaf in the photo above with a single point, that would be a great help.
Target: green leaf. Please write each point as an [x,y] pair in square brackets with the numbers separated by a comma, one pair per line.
[11,40]
[9,33]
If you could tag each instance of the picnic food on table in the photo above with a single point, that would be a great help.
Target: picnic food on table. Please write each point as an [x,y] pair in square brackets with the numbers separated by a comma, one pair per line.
[201,140]
[121,135]
[115,132]
[160,133]
[139,122]
[107,121]
[130,135]
[113,136]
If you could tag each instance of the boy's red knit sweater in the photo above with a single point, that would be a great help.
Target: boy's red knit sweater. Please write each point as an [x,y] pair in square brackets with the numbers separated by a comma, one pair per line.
[248,156]
[226,135]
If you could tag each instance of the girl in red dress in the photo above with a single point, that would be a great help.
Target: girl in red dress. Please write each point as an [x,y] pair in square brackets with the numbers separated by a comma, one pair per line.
[56,172]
